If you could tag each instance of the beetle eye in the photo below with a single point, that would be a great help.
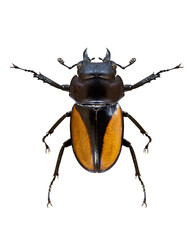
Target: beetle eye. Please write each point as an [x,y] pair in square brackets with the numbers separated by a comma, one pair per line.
[79,66]
[114,66]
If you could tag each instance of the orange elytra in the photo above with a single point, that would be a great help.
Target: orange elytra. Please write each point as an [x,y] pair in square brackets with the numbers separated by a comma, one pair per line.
[96,125]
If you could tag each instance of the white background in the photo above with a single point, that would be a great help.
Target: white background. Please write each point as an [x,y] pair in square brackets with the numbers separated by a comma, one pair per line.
[160,34]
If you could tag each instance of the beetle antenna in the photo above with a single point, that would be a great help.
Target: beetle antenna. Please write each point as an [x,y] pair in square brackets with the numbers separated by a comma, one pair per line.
[130,63]
[61,61]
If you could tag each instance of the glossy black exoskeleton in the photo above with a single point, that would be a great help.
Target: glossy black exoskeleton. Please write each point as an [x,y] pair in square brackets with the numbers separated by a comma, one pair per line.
[96,124]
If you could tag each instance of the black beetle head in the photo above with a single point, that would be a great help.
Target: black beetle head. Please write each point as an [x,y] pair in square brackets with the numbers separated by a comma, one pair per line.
[105,69]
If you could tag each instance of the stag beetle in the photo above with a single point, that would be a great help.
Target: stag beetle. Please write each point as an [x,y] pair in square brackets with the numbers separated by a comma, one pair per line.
[96,119]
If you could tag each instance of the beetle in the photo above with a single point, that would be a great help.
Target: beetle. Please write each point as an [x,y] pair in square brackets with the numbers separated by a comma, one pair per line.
[96,119]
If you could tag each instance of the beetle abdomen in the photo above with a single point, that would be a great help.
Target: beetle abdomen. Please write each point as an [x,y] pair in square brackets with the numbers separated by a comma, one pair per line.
[96,133]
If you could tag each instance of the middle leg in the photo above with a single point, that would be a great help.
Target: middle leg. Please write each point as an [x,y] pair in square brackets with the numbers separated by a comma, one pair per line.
[51,130]
[126,114]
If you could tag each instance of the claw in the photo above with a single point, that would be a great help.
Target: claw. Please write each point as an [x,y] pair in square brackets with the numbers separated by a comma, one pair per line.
[144,203]
[179,66]
[49,203]
[146,150]
[14,66]
[47,149]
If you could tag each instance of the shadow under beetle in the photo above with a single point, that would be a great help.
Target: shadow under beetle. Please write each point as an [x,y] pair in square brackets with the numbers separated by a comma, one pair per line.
[96,120]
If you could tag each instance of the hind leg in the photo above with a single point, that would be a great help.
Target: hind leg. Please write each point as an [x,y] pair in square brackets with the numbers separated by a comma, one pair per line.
[137,172]
[56,172]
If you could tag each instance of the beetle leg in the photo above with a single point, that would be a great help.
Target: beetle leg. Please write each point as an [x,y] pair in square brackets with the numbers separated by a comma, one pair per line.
[126,114]
[137,172]
[44,79]
[51,130]
[148,79]
[56,172]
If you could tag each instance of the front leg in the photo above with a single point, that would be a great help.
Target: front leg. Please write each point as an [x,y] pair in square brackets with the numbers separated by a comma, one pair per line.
[44,79]
[148,79]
